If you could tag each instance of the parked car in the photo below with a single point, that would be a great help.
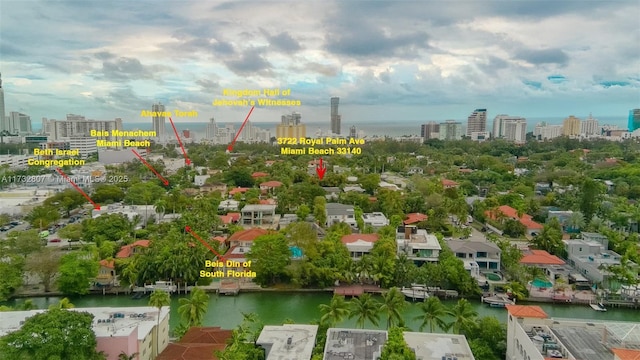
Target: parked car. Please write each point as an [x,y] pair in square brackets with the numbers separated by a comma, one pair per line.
[55,240]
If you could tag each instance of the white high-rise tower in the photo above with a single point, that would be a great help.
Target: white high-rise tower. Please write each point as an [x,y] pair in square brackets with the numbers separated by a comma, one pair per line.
[3,122]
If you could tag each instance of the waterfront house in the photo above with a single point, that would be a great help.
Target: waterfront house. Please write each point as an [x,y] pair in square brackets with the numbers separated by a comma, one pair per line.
[258,215]
[485,254]
[337,213]
[129,250]
[359,244]
[417,244]
[106,273]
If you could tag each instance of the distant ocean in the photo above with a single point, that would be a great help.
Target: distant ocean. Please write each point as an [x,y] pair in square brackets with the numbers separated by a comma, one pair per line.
[391,128]
[395,128]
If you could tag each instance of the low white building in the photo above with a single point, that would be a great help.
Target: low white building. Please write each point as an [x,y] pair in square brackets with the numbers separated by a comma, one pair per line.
[127,329]
[375,219]
[229,205]
[337,213]
[288,342]
[145,212]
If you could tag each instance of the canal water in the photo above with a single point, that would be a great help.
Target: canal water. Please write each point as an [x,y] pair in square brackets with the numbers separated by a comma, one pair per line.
[275,308]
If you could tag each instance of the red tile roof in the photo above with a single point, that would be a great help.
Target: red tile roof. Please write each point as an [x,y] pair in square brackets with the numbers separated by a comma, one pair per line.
[258,174]
[527,311]
[268,202]
[235,216]
[220,239]
[248,235]
[226,219]
[627,354]
[271,184]
[127,250]
[238,190]
[197,344]
[355,237]
[449,183]
[512,213]
[108,263]
[540,257]
[415,218]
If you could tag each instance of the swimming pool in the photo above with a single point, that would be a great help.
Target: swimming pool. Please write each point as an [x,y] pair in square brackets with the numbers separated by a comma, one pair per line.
[493,276]
[541,283]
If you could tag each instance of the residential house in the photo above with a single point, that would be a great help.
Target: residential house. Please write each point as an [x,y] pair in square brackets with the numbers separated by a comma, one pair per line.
[354,188]
[337,213]
[417,244]
[591,258]
[259,174]
[228,205]
[562,216]
[106,273]
[288,342]
[415,170]
[542,188]
[376,220]
[332,193]
[483,253]
[270,185]
[209,188]
[449,184]
[258,215]
[414,218]
[505,212]
[388,186]
[359,244]
[539,258]
[129,250]
[199,180]
[239,245]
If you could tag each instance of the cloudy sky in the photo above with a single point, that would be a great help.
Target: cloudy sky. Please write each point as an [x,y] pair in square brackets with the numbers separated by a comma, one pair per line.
[387,61]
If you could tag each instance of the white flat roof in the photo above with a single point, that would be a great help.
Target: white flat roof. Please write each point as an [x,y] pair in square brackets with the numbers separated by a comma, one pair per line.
[121,326]
[438,346]
[289,341]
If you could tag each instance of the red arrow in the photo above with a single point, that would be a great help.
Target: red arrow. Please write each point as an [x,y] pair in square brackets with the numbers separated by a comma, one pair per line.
[186,158]
[230,147]
[95,206]
[188,229]
[321,169]
[164,181]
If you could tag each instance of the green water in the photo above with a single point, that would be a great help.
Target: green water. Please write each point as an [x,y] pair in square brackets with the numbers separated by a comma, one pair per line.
[274,308]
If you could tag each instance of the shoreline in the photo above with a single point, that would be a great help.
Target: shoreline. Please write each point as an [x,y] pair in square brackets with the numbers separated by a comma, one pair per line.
[255,289]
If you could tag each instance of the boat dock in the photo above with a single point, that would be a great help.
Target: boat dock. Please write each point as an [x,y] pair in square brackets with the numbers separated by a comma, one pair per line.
[228,287]
[357,290]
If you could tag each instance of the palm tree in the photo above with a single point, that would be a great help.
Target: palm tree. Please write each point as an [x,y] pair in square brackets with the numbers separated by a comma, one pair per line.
[63,304]
[393,303]
[335,311]
[576,221]
[123,356]
[433,313]
[193,308]
[463,315]
[159,299]
[364,308]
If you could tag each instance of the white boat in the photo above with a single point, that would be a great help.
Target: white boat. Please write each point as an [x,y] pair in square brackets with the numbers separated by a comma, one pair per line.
[162,285]
[415,292]
[598,307]
[498,301]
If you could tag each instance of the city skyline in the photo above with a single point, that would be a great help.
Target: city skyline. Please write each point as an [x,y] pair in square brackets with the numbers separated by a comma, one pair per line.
[535,59]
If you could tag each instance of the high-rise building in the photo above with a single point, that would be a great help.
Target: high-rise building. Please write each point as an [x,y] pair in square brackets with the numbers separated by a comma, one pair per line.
[3,124]
[291,127]
[498,125]
[64,129]
[571,126]
[212,129]
[335,116]
[159,121]
[477,122]
[543,131]
[450,130]
[634,119]
[589,126]
[19,123]
[353,133]
[430,130]
[515,130]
